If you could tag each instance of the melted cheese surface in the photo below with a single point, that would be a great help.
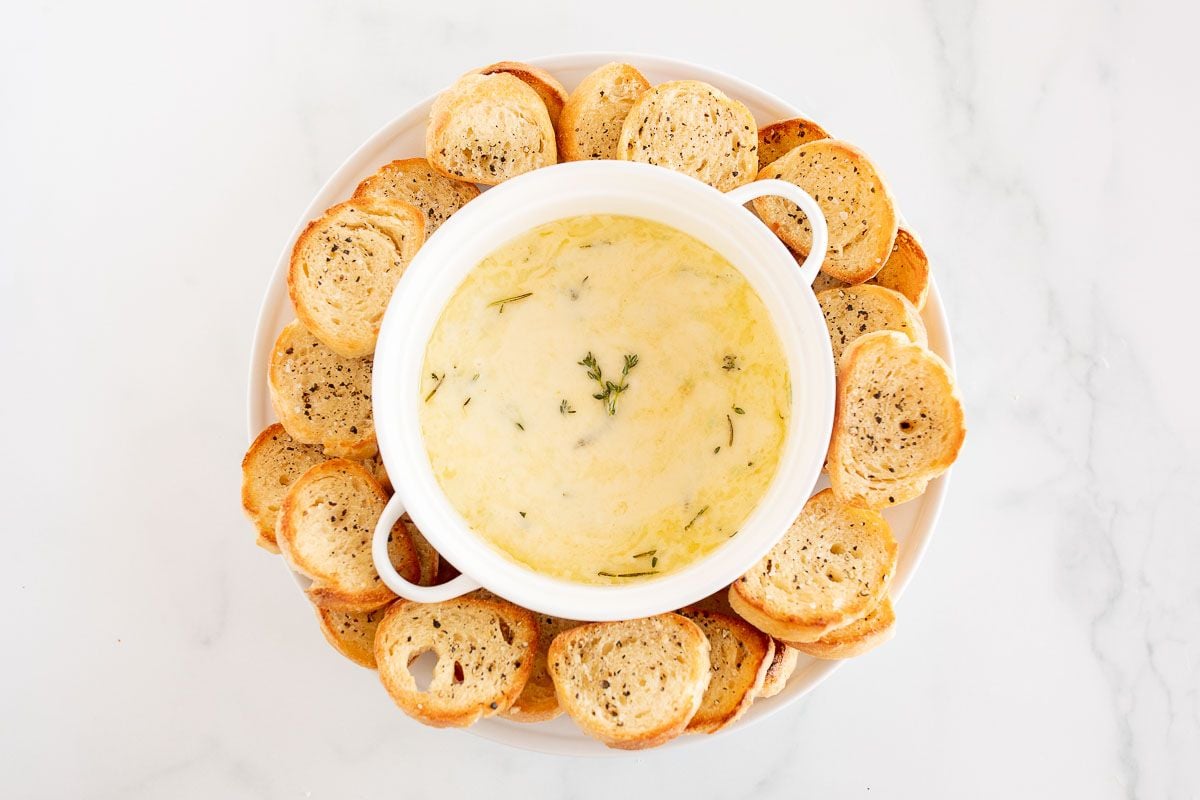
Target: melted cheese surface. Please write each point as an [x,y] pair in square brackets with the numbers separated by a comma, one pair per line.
[538,466]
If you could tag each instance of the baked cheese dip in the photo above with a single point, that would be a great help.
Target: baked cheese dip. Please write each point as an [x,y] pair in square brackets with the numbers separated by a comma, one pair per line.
[604,399]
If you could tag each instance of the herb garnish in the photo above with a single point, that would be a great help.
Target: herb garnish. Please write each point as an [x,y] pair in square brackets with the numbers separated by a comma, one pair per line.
[643,555]
[729,419]
[609,391]
[519,425]
[729,363]
[627,574]
[565,408]
[739,410]
[436,386]
[699,514]
[515,298]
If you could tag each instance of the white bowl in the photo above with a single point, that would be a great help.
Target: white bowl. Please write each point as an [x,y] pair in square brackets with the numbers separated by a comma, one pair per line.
[567,190]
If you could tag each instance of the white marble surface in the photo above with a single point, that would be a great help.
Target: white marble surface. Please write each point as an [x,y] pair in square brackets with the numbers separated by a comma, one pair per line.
[152,160]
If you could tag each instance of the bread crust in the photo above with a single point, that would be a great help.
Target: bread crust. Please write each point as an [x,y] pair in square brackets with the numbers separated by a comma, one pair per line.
[548,87]
[783,664]
[351,633]
[538,702]
[756,652]
[907,269]
[861,216]
[326,267]
[872,491]
[300,410]
[415,181]
[328,588]
[595,112]
[778,138]
[654,734]
[722,151]
[253,503]
[856,638]
[409,629]
[795,615]
[853,311]
[472,96]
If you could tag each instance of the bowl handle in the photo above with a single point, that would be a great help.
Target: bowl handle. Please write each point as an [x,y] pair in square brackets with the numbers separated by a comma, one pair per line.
[790,191]
[383,564]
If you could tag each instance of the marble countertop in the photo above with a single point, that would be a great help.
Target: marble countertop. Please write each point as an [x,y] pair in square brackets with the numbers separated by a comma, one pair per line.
[155,157]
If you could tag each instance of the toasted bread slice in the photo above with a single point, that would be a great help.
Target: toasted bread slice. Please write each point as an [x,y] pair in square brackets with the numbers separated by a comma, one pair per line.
[489,128]
[375,466]
[857,205]
[854,311]
[783,664]
[856,638]
[413,181]
[270,466]
[632,684]
[693,128]
[351,633]
[485,652]
[553,94]
[324,533]
[898,421]
[345,265]
[778,138]
[739,657]
[321,397]
[907,269]
[427,556]
[591,120]
[832,567]
[538,701]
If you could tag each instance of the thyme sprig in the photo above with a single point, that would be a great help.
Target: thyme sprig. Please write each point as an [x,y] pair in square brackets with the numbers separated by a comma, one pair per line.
[609,391]
[505,301]
[436,386]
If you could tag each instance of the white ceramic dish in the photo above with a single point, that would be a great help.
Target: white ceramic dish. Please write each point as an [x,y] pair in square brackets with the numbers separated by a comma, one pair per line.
[913,523]
[599,187]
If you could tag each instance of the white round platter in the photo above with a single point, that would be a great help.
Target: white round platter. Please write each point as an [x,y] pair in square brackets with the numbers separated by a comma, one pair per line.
[404,137]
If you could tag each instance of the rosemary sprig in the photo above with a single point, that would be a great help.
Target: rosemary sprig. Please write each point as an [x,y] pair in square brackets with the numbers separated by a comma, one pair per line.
[436,386]
[514,299]
[609,391]
[627,574]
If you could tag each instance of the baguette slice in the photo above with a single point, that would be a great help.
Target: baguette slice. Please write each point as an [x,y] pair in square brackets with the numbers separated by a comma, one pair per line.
[484,652]
[853,197]
[776,139]
[427,556]
[633,684]
[553,93]
[270,466]
[831,568]
[856,638]
[538,701]
[906,271]
[898,421]
[324,533]
[413,181]
[693,128]
[591,121]
[740,656]
[783,664]
[854,311]
[351,633]
[321,397]
[346,264]
[489,128]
